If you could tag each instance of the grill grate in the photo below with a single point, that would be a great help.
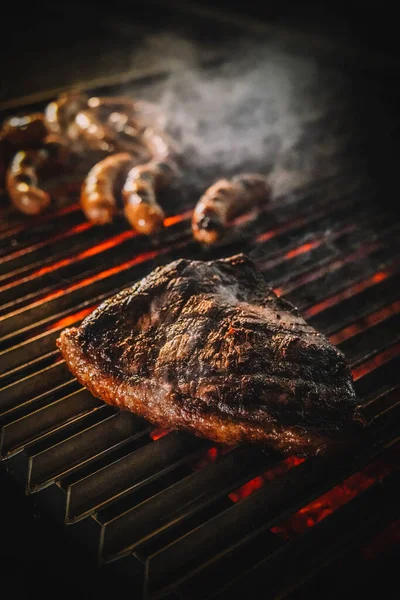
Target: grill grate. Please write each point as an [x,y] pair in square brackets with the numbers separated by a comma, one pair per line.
[165,508]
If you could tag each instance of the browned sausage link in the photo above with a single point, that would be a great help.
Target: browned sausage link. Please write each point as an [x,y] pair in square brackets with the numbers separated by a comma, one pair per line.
[224,201]
[211,213]
[125,124]
[88,133]
[139,195]
[254,191]
[109,104]
[163,150]
[62,111]
[24,131]
[128,131]
[22,182]
[143,182]
[98,199]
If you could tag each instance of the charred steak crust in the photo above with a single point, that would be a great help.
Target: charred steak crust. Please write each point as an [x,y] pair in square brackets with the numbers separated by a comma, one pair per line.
[209,347]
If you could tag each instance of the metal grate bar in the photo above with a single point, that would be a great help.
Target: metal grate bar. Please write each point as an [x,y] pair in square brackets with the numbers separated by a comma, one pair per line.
[33,385]
[98,489]
[312,215]
[84,291]
[42,420]
[177,502]
[52,462]
[377,294]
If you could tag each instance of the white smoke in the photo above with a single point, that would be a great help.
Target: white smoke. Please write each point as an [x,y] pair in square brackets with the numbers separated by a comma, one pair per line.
[260,109]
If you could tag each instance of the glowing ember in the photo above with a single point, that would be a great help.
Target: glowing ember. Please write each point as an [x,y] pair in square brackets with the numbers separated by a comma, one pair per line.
[110,243]
[256,483]
[209,456]
[168,221]
[247,489]
[326,504]
[242,219]
[158,433]
[303,249]
[71,319]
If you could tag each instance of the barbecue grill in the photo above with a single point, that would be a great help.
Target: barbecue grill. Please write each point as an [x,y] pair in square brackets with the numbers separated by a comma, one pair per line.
[171,515]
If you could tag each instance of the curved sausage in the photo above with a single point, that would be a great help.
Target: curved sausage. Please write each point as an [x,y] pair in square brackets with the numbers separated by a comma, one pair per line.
[144,181]
[128,132]
[22,182]
[61,112]
[19,132]
[140,205]
[87,132]
[225,200]
[110,104]
[98,199]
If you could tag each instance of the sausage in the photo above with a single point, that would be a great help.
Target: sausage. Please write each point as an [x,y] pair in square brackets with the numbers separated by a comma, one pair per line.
[18,132]
[61,112]
[225,200]
[109,104]
[98,194]
[128,133]
[87,132]
[23,132]
[140,205]
[143,183]
[22,182]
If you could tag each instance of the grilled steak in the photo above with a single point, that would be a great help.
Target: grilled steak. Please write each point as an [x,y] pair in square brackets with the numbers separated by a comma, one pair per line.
[209,347]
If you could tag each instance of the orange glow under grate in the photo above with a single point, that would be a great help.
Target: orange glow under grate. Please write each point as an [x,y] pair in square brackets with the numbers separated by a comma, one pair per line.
[256,483]
[351,290]
[103,274]
[366,322]
[158,433]
[330,267]
[326,504]
[209,456]
[66,234]
[376,361]
[319,509]
[71,319]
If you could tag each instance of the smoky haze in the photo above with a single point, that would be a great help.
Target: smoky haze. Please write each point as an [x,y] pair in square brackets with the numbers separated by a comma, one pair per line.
[258,108]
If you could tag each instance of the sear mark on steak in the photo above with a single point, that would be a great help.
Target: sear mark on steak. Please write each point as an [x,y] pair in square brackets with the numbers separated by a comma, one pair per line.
[209,347]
